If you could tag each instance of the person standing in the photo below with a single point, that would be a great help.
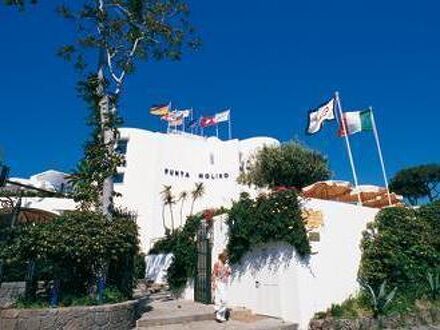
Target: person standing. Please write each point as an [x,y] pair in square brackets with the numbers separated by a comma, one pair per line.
[220,280]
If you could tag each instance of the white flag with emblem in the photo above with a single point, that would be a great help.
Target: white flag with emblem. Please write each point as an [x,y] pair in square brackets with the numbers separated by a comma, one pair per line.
[222,116]
[319,115]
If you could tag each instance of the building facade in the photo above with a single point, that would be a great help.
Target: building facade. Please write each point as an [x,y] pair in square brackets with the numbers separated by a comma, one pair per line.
[156,160]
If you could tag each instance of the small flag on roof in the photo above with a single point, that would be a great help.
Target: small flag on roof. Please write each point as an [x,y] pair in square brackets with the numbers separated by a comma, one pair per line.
[207,121]
[193,123]
[319,115]
[183,113]
[160,109]
[222,116]
[355,121]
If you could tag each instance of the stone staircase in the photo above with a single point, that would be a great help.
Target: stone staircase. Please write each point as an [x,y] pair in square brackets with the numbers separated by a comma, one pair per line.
[166,313]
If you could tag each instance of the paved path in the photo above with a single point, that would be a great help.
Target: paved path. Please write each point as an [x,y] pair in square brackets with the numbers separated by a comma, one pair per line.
[168,314]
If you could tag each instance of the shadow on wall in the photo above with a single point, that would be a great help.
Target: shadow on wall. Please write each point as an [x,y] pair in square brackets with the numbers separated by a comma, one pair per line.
[156,266]
[273,257]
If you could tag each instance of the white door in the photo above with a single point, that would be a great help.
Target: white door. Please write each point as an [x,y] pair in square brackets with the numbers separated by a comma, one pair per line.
[268,295]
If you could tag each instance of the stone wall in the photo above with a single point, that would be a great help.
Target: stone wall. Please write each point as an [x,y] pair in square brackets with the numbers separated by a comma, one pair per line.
[109,317]
[429,317]
[9,292]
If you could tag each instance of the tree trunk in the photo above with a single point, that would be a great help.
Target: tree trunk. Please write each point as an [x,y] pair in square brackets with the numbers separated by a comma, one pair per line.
[172,217]
[163,218]
[181,213]
[108,140]
[192,206]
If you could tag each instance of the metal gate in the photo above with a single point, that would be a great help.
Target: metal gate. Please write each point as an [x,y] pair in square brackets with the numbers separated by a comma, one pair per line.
[202,283]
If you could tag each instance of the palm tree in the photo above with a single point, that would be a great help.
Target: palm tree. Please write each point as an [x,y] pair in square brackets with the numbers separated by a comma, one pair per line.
[167,199]
[182,198]
[198,192]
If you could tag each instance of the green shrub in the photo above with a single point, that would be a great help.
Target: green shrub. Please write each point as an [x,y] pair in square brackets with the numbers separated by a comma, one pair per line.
[270,218]
[290,164]
[182,244]
[139,266]
[351,308]
[401,246]
[72,249]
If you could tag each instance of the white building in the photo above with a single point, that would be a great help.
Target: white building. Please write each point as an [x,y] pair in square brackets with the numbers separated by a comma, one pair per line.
[50,180]
[154,160]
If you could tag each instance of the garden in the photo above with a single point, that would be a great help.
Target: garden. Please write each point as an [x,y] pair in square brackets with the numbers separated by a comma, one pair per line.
[399,274]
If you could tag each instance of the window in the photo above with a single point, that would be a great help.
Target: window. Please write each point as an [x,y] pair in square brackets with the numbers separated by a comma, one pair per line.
[122,147]
[118,178]
[211,159]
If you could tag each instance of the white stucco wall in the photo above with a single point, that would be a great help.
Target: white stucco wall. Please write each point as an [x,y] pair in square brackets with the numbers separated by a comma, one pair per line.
[151,157]
[272,280]
[50,204]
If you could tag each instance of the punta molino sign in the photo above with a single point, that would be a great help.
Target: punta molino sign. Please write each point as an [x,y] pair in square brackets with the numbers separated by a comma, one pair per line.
[187,175]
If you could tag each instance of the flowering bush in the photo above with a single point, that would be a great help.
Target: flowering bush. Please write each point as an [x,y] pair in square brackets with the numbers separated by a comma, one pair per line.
[270,218]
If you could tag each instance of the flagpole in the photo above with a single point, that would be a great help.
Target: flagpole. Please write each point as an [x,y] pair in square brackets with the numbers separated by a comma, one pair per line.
[192,118]
[379,150]
[347,142]
[229,125]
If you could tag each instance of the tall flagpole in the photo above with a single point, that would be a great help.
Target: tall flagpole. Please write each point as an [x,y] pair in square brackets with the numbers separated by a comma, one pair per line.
[229,125]
[379,150]
[347,142]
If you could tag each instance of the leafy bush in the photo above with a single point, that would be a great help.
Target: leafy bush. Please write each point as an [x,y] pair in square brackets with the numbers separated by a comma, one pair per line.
[401,246]
[290,164]
[139,266]
[111,296]
[73,248]
[269,218]
[182,244]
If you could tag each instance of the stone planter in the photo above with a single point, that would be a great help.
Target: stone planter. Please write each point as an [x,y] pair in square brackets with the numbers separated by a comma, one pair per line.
[116,316]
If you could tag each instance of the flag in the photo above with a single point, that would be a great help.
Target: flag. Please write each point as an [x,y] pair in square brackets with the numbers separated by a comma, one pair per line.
[319,115]
[160,109]
[193,123]
[222,116]
[207,121]
[354,122]
[174,118]
[182,113]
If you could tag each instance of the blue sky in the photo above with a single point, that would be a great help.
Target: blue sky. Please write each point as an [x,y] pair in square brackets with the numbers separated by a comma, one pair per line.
[269,61]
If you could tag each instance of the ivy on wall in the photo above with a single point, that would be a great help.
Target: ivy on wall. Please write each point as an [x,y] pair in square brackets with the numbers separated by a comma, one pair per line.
[271,217]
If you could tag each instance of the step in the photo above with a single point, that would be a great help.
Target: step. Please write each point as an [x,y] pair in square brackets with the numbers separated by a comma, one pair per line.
[263,324]
[164,313]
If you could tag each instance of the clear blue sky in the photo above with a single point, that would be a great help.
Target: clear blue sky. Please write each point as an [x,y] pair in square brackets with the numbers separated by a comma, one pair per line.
[270,61]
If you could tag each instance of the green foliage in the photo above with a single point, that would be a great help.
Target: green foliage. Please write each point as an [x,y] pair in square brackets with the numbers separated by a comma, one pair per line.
[128,30]
[182,244]
[351,308]
[417,182]
[100,160]
[139,266]
[433,279]
[290,164]
[380,300]
[269,218]
[111,296]
[19,3]
[401,246]
[73,247]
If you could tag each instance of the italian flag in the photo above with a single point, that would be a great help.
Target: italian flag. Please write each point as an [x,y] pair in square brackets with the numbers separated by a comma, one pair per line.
[354,122]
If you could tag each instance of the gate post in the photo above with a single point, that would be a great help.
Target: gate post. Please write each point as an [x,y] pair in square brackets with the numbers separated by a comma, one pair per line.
[202,283]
